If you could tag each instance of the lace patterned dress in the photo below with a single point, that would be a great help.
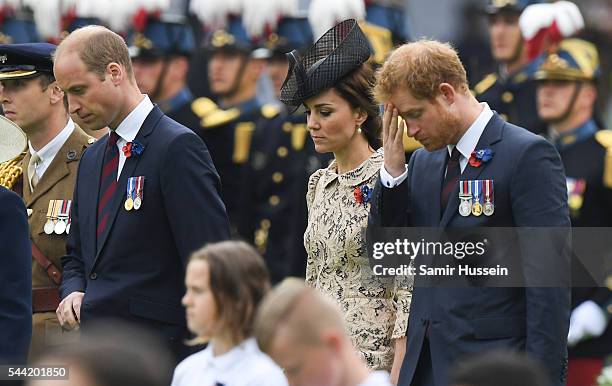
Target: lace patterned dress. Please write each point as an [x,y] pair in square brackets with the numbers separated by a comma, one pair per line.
[375,309]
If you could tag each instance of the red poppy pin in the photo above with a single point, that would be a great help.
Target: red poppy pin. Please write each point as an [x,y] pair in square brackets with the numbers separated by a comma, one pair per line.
[479,156]
[132,148]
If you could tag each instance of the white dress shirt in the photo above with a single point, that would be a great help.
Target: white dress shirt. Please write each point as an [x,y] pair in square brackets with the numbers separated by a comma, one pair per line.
[243,365]
[466,145]
[130,126]
[48,152]
[377,378]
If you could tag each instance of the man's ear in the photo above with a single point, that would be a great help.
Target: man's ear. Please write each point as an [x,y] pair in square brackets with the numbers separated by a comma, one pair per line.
[447,92]
[115,71]
[56,93]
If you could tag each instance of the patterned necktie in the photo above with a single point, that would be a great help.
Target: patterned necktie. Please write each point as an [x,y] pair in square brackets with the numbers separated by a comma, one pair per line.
[108,182]
[453,172]
[32,175]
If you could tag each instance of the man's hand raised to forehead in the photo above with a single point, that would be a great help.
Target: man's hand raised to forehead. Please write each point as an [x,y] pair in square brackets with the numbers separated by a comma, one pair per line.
[393,141]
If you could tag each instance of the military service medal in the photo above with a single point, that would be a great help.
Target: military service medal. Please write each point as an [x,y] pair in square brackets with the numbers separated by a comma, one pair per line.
[139,192]
[489,208]
[69,220]
[50,224]
[129,201]
[476,206]
[60,225]
[465,195]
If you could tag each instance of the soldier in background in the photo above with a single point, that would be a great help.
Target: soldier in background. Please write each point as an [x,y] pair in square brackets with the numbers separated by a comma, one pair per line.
[282,155]
[510,90]
[227,128]
[31,98]
[566,96]
[160,52]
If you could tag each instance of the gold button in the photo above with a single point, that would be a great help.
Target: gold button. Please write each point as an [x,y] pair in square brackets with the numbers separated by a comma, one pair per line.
[507,97]
[282,152]
[274,200]
[265,223]
[277,177]
[287,127]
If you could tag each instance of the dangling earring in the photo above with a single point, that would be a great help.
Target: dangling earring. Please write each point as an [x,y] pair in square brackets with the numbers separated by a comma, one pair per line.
[359,129]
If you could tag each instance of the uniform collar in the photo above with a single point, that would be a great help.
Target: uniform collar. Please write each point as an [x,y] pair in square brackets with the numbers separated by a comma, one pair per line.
[572,137]
[48,152]
[181,98]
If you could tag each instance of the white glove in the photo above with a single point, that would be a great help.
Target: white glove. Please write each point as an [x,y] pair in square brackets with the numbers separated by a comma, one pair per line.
[588,320]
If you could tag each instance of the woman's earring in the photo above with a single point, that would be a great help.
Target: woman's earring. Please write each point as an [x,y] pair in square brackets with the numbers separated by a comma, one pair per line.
[359,129]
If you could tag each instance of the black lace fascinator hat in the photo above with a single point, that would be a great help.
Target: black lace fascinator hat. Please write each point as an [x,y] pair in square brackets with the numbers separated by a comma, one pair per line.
[340,50]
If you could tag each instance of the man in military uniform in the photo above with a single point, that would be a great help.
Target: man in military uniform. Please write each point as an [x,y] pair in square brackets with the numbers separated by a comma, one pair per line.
[511,90]
[282,155]
[160,55]
[46,175]
[227,128]
[566,96]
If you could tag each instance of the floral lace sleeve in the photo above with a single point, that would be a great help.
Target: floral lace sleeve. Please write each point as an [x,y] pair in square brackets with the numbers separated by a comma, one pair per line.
[403,298]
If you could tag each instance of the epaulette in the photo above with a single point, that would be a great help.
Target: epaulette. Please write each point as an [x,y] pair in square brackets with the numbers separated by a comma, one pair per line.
[270,110]
[485,84]
[604,137]
[299,132]
[10,171]
[381,40]
[211,115]
[242,141]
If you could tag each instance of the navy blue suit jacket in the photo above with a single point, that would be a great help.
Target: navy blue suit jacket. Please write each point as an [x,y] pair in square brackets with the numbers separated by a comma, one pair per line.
[15,280]
[530,191]
[136,270]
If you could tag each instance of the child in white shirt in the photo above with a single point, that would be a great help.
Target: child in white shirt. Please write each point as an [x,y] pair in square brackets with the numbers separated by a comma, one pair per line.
[225,282]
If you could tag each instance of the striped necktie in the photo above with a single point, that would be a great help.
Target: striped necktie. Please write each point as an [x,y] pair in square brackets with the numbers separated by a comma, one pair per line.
[108,182]
[453,172]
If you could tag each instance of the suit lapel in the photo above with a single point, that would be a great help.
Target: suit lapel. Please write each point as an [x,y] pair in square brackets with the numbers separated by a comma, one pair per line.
[128,170]
[432,183]
[491,135]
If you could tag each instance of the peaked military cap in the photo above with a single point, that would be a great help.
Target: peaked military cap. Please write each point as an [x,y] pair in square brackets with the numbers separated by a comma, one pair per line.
[574,60]
[517,6]
[161,37]
[340,51]
[18,61]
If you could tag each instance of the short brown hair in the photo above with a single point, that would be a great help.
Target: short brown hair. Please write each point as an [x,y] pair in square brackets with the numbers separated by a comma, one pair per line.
[97,47]
[238,280]
[356,88]
[420,67]
[304,309]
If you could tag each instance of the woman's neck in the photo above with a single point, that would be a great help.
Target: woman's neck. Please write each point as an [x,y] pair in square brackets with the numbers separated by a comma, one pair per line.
[223,343]
[353,154]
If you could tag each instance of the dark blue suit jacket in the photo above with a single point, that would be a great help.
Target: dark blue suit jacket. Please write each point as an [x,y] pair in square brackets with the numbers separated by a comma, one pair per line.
[15,280]
[136,270]
[530,191]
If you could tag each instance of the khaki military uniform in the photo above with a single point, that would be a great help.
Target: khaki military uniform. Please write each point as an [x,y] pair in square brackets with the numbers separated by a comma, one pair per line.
[56,184]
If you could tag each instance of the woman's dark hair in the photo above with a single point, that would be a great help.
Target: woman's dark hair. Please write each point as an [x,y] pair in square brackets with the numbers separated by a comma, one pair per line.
[356,88]
[238,280]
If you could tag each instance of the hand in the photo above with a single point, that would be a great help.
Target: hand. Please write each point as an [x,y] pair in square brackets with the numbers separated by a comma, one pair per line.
[393,142]
[69,310]
[398,359]
[588,320]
